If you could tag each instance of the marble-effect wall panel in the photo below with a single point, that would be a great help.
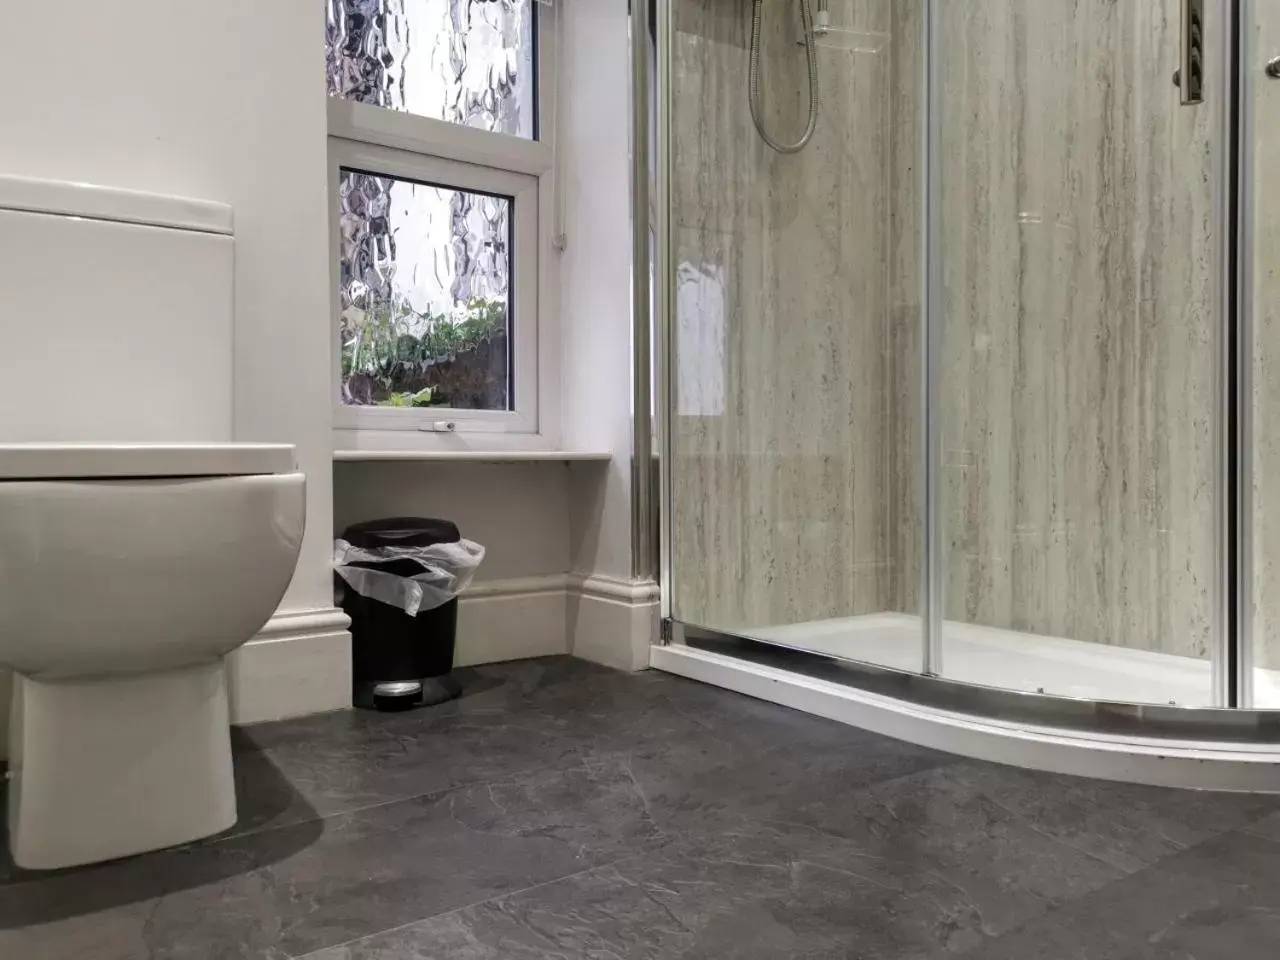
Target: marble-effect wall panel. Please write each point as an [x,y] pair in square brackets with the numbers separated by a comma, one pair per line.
[1079,324]
[1263,42]
[905,489]
[784,449]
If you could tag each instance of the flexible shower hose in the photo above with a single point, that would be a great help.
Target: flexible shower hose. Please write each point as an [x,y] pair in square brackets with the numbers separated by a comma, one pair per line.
[806,16]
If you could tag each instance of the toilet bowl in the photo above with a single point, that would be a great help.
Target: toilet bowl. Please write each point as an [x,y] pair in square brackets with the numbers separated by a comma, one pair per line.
[128,573]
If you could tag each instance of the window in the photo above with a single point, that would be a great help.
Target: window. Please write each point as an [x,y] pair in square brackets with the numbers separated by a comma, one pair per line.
[438,182]
[466,61]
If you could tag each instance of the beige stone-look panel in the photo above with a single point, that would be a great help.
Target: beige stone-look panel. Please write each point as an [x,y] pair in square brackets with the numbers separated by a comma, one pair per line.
[1080,324]
[1262,43]
[784,455]
[1080,313]
[906,331]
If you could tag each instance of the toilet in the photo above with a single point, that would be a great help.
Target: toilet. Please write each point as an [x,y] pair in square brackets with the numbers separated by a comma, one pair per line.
[127,574]
[140,541]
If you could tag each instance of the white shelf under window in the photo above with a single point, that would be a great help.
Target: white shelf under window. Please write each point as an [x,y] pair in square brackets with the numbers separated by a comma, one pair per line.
[471,456]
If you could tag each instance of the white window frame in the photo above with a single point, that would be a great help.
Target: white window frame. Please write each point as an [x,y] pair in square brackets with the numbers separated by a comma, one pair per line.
[393,143]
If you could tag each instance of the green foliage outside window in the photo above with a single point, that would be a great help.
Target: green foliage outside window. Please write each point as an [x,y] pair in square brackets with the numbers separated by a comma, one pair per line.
[393,356]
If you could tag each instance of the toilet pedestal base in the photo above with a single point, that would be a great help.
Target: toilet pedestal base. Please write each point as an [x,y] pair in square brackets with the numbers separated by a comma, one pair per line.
[108,768]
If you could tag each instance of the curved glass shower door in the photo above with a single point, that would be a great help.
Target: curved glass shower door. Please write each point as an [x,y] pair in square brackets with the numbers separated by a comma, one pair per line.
[794,400]
[1078,337]
[948,381]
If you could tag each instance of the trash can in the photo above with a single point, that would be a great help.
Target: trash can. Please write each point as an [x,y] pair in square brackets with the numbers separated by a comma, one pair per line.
[400,580]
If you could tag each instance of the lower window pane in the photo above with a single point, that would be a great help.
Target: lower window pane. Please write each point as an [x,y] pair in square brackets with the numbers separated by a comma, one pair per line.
[424,300]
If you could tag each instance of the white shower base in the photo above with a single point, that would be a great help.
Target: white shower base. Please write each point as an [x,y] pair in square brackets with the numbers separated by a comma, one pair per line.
[1018,661]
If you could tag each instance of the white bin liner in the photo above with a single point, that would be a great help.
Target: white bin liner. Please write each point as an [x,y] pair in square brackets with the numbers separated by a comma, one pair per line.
[447,568]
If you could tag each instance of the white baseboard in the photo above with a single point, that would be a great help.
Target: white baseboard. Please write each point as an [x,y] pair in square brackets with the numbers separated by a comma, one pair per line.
[512,619]
[603,619]
[613,622]
[298,664]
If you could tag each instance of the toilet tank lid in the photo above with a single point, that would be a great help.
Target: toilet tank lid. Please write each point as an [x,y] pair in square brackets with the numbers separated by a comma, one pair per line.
[85,461]
[96,202]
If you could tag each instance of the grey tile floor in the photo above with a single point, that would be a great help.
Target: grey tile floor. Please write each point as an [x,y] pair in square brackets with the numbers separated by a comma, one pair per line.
[560,810]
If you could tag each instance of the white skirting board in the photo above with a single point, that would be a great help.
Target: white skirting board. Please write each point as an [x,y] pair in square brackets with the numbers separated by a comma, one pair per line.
[614,622]
[512,619]
[607,620]
[300,662]
[1135,759]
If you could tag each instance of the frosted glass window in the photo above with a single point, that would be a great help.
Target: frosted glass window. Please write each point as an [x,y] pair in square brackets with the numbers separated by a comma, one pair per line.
[465,61]
[424,294]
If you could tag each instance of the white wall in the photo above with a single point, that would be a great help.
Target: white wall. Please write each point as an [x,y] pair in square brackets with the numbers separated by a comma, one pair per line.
[517,605]
[595,275]
[518,511]
[549,521]
[495,503]
[612,619]
[221,101]
[224,101]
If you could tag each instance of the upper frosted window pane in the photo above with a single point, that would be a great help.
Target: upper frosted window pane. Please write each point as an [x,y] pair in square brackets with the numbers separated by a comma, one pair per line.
[465,61]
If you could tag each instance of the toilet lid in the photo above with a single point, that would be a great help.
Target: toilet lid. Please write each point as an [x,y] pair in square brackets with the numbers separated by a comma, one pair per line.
[49,461]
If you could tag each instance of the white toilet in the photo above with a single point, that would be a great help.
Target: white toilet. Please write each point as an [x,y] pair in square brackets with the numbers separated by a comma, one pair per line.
[139,544]
[127,575]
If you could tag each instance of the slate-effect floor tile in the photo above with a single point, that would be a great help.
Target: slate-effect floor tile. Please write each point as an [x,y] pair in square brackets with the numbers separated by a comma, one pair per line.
[562,810]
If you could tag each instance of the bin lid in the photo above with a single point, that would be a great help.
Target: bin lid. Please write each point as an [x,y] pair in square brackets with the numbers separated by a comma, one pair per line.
[401,532]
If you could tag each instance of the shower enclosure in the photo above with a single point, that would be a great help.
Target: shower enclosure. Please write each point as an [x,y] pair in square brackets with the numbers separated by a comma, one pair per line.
[980,383]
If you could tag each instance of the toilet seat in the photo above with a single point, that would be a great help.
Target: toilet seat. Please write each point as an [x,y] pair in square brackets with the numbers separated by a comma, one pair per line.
[84,461]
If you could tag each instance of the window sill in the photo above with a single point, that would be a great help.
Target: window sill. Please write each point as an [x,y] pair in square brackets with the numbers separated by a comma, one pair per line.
[471,456]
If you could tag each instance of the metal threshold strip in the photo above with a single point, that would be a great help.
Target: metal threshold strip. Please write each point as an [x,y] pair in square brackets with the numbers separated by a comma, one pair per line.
[1207,724]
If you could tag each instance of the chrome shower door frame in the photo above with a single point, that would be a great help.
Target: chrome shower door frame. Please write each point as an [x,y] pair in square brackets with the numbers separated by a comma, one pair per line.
[1230,712]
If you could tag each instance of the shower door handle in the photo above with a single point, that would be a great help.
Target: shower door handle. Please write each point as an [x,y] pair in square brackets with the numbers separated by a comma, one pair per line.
[1190,75]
